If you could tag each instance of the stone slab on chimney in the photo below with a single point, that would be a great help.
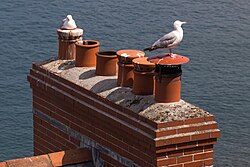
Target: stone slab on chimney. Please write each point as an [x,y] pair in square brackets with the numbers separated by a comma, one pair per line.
[74,108]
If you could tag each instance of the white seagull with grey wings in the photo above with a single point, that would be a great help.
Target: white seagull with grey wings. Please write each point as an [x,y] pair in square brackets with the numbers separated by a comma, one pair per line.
[170,40]
[68,23]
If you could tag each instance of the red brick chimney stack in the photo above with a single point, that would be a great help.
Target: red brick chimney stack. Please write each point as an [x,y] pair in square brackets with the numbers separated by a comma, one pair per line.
[75,108]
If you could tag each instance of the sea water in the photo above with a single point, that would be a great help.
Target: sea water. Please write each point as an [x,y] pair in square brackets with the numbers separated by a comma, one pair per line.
[216,39]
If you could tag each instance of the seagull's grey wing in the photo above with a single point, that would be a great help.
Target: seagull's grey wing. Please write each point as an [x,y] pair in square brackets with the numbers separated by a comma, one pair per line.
[166,40]
[168,36]
[63,22]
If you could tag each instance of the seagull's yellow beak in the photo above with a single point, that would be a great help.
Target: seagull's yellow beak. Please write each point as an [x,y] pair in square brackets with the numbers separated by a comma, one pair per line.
[184,22]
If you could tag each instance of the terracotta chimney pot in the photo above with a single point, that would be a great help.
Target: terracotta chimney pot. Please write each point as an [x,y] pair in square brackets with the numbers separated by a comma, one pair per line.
[126,67]
[86,53]
[143,76]
[66,43]
[168,78]
[106,63]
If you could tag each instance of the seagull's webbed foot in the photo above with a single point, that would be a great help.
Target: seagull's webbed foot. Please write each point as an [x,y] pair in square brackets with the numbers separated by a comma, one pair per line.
[172,55]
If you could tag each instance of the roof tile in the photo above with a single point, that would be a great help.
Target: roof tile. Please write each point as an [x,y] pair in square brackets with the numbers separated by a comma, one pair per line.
[36,161]
[3,164]
[70,157]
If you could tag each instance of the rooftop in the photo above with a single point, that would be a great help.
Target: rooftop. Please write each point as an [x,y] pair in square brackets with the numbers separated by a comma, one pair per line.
[69,158]
[106,87]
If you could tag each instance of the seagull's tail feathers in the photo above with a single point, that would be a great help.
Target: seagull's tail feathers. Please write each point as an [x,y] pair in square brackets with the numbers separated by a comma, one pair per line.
[149,49]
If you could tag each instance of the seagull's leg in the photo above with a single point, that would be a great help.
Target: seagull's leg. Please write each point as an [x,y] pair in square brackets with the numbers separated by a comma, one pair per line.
[170,52]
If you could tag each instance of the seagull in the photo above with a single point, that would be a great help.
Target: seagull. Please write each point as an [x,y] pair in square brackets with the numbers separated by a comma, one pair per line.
[68,23]
[170,40]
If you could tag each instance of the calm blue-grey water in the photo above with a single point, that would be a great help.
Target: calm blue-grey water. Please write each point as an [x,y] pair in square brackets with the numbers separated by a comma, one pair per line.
[216,39]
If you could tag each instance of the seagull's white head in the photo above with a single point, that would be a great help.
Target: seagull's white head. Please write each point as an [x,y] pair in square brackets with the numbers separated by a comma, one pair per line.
[69,17]
[178,23]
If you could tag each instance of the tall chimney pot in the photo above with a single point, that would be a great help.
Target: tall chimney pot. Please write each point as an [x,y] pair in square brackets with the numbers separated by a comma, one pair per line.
[66,43]
[168,78]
